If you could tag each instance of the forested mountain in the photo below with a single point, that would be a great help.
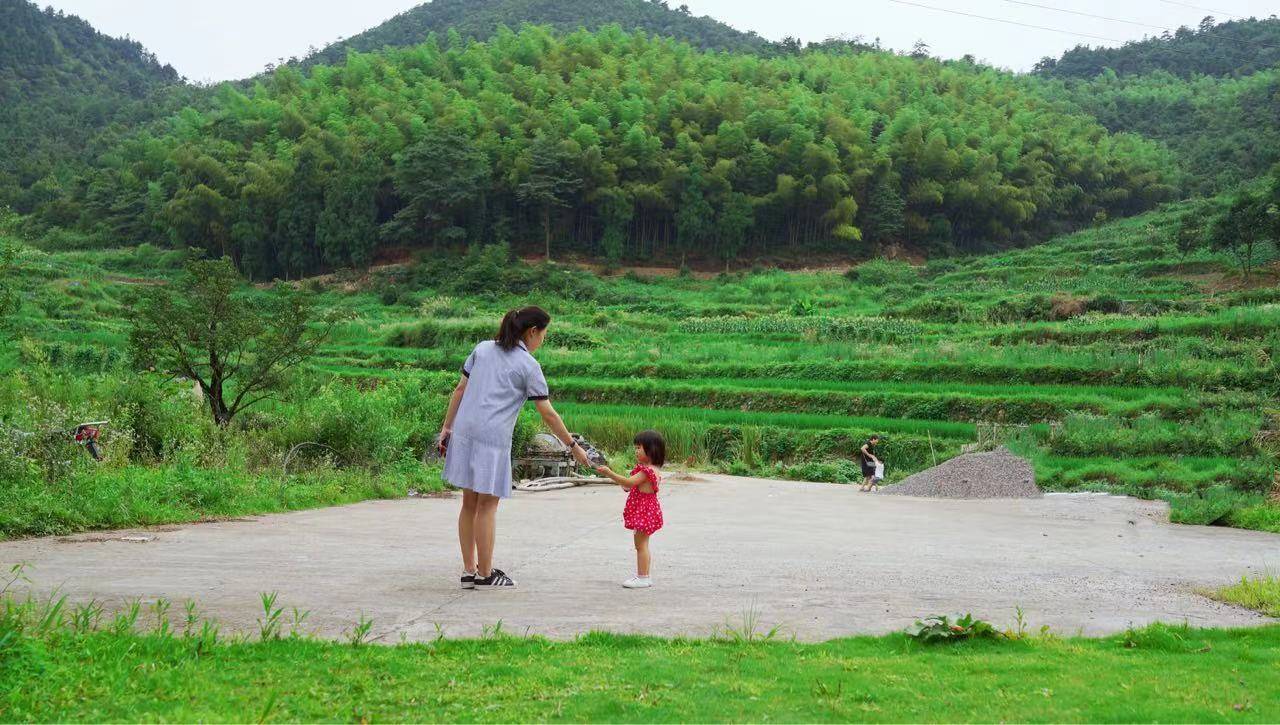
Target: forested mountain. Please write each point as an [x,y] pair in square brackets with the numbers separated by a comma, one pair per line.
[1235,48]
[613,144]
[1222,130]
[480,19]
[61,84]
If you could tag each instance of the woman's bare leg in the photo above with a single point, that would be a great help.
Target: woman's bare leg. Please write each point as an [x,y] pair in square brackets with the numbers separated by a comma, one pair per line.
[486,524]
[467,529]
[642,553]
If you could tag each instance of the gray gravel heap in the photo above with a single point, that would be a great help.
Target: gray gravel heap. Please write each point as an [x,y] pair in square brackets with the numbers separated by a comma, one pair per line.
[998,474]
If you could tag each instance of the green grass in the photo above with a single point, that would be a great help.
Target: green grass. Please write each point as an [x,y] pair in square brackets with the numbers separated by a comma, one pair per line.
[1159,673]
[137,495]
[1261,593]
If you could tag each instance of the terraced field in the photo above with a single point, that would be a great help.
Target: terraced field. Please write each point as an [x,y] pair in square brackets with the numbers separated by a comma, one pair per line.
[1105,357]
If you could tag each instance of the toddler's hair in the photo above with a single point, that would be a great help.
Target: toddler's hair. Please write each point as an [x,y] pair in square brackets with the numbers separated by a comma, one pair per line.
[654,447]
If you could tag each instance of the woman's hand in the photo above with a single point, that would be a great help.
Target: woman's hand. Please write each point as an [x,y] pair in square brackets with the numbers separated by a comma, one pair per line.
[443,445]
[580,455]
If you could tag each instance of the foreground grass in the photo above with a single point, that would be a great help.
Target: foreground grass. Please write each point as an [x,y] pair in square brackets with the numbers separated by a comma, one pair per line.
[1159,673]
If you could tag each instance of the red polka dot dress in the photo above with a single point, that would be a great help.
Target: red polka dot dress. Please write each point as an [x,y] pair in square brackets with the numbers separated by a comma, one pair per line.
[643,512]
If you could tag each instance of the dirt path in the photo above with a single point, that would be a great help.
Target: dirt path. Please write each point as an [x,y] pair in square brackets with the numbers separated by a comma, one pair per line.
[820,560]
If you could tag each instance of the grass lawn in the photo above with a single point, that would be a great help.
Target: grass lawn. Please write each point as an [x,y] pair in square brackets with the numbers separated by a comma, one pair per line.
[1159,673]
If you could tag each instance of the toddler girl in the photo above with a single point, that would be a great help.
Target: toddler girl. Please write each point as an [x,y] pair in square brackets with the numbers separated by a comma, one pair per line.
[642,513]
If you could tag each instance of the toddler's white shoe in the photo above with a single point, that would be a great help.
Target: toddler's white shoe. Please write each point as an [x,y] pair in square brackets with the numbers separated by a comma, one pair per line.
[638,582]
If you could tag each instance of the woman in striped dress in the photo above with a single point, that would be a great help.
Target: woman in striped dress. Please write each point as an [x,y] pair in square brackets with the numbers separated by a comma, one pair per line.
[498,378]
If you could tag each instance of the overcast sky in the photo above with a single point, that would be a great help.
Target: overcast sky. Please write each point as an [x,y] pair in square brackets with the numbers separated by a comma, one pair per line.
[232,39]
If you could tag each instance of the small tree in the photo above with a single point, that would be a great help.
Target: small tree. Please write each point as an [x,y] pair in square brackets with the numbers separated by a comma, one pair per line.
[1191,233]
[236,344]
[1249,222]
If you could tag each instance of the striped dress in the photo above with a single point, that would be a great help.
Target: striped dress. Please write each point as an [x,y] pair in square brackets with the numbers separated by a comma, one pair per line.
[499,382]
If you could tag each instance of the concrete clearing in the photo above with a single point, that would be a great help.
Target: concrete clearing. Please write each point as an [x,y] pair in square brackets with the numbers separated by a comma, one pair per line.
[818,560]
[995,474]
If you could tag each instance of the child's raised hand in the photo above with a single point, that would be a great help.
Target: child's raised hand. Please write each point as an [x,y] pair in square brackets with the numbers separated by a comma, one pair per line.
[603,470]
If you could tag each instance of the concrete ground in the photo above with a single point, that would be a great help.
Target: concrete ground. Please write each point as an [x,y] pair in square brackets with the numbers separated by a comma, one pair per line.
[817,560]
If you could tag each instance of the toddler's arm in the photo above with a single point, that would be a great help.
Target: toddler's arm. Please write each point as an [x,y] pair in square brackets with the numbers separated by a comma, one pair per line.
[624,481]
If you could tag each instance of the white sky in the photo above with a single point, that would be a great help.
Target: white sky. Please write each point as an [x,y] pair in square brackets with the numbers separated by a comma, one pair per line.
[233,39]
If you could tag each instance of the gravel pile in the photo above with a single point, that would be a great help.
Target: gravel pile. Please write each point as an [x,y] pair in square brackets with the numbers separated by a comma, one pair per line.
[998,474]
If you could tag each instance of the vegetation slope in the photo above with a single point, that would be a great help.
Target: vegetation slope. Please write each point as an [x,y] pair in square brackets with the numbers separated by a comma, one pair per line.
[62,84]
[481,19]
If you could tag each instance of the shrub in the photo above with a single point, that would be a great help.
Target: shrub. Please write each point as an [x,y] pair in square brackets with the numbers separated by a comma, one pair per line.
[951,628]
[935,309]
[1025,308]
[1065,307]
[884,272]
[1106,304]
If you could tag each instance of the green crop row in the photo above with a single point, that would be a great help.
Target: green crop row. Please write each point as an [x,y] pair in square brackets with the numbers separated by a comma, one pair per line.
[441,333]
[1147,474]
[1213,434]
[1262,377]
[899,401]
[1242,323]
[848,329]
[803,421]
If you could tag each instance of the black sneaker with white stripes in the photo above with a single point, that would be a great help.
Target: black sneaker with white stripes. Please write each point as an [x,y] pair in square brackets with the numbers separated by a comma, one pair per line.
[468,581]
[497,579]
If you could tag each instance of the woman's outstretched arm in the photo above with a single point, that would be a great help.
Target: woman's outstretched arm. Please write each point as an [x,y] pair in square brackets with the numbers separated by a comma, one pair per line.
[558,429]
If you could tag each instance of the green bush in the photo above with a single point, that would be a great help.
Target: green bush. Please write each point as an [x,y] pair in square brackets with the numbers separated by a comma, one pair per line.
[883,272]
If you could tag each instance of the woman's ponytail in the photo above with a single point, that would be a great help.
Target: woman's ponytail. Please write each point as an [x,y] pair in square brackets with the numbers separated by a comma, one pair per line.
[516,322]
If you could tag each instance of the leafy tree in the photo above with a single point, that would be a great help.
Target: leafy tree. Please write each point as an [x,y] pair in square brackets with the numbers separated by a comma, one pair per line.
[1251,220]
[617,209]
[347,228]
[198,217]
[549,181]
[236,344]
[883,221]
[733,220]
[440,181]
[1190,235]
[694,221]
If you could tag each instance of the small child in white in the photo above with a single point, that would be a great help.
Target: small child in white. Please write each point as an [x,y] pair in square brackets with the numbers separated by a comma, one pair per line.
[642,513]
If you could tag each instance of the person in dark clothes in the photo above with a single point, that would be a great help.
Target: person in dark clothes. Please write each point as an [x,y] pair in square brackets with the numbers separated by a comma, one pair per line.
[868,458]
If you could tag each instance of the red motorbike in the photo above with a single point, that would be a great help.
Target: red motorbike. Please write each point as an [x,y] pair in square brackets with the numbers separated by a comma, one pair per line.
[86,434]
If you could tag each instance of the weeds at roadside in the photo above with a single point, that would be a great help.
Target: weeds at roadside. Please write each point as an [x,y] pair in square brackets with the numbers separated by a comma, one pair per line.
[748,630]
[1260,593]
[358,635]
[270,624]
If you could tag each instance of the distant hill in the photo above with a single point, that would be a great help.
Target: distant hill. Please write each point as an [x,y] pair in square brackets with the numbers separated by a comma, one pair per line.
[480,19]
[61,84]
[1235,48]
